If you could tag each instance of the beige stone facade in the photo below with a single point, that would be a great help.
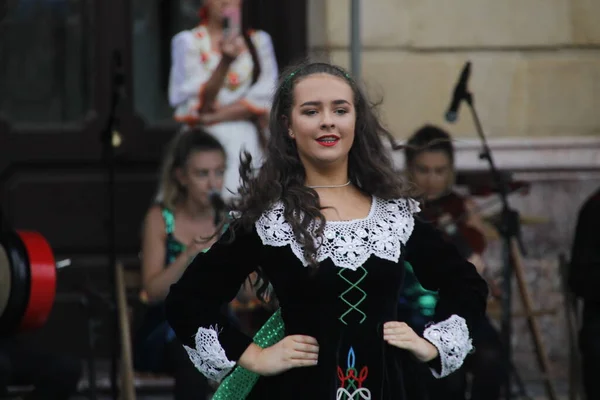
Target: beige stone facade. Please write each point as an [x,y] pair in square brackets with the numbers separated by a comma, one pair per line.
[535,64]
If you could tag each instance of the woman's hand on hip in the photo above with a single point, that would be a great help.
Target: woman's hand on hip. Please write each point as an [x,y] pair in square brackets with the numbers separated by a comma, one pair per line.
[400,335]
[291,352]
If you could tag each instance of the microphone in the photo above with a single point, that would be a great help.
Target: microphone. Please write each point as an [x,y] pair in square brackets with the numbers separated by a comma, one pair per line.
[217,203]
[460,93]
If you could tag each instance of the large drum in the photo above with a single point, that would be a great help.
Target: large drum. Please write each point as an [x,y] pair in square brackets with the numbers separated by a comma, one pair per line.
[27,281]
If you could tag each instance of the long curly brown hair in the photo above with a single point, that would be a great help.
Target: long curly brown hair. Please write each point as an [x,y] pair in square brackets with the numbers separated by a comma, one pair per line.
[282,175]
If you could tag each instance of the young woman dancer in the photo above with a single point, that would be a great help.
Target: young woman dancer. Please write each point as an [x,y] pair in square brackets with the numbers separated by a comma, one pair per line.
[329,224]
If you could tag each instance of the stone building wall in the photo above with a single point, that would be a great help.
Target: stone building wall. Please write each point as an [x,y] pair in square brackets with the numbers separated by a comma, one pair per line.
[535,63]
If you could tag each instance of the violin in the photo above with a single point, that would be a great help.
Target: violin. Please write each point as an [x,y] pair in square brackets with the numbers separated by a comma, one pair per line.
[449,214]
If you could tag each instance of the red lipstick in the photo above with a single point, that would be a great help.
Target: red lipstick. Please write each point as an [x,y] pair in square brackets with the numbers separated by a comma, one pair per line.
[328,140]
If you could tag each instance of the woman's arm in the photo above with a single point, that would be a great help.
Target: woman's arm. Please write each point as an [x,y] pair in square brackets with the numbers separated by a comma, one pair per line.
[196,303]
[230,112]
[187,77]
[257,102]
[196,311]
[461,290]
[214,85]
[190,79]
[231,47]
[156,279]
[258,99]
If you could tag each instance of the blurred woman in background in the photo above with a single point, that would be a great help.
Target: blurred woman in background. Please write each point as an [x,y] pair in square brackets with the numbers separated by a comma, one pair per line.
[222,77]
[429,156]
[174,232]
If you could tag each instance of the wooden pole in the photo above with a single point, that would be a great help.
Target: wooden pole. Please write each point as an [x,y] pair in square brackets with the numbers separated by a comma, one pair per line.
[127,375]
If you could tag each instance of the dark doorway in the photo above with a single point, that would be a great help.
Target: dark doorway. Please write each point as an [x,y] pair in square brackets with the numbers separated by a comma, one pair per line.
[56,86]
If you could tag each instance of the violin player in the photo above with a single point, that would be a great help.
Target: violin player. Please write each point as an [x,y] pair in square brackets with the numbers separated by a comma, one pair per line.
[429,156]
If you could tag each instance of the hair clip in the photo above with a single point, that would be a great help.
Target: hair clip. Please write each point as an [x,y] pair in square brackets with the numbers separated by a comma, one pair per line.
[290,76]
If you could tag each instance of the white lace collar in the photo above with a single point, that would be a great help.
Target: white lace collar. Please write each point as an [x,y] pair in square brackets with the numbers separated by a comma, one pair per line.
[348,243]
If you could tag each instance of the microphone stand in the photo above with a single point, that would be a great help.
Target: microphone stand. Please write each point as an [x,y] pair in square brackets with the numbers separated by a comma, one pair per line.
[108,136]
[510,230]
[509,227]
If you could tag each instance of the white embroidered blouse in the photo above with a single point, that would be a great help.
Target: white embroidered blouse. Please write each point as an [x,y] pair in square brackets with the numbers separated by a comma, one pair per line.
[193,63]
[194,60]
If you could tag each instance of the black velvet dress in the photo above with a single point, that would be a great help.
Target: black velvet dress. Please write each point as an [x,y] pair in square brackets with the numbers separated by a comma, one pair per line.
[344,304]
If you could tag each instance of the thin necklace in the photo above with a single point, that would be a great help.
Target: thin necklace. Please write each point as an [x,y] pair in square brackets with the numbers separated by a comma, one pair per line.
[329,186]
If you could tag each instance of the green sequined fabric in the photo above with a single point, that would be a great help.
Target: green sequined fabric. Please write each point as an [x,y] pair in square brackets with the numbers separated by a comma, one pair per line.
[174,247]
[239,383]
[418,299]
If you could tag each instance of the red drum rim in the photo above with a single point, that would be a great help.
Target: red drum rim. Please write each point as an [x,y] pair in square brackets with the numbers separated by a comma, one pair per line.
[42,270]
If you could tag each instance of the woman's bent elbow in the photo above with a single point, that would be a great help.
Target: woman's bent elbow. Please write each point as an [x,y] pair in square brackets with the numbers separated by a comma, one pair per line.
[151,295]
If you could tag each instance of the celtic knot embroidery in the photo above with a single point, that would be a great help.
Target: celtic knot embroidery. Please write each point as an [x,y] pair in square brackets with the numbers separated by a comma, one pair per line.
[353,288]
[351,381]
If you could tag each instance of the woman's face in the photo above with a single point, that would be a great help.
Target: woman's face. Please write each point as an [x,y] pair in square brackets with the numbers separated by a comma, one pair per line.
[432,172]
[322,120]
[202,174]
[219,9]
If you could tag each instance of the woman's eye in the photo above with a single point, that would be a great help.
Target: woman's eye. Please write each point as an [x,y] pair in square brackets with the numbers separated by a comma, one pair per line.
[310,112]
[341,111]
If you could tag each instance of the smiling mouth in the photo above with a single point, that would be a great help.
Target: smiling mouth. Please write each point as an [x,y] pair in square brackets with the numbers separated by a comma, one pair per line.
[328,140]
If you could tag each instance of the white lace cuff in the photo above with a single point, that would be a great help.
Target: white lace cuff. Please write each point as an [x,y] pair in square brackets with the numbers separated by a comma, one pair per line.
[209,357]
[451,338]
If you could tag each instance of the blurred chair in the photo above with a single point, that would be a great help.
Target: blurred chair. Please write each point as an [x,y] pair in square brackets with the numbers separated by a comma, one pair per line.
[128,289]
